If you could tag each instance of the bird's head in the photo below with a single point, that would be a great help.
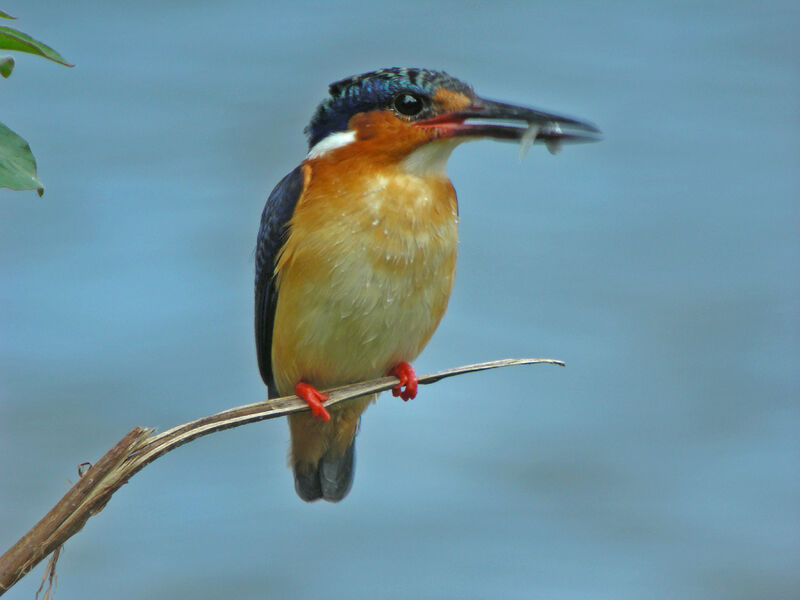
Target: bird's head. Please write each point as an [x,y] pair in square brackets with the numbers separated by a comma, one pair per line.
[394,113]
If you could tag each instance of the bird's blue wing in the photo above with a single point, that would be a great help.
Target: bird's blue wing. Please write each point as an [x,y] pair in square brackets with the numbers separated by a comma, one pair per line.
[272,236]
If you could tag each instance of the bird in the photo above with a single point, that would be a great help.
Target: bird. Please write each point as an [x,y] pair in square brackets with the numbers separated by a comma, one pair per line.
[356,248]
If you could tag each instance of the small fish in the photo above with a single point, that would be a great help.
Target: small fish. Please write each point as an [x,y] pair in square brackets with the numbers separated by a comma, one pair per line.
[550,135]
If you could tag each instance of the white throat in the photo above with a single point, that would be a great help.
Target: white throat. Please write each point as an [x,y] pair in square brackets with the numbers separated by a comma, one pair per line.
[430,159]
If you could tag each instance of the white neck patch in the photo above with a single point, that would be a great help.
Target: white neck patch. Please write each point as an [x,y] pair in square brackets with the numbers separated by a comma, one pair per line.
[431,159]
[331,142]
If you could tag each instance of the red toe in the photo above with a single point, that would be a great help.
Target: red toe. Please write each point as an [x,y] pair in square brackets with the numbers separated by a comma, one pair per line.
[408,380]
[314,399]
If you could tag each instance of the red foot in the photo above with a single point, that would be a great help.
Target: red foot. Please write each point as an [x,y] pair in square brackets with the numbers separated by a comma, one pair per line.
[314,399]
[408,379]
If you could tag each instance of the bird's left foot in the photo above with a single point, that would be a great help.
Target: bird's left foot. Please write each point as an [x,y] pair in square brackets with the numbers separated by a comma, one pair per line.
[314,398]
[408,380]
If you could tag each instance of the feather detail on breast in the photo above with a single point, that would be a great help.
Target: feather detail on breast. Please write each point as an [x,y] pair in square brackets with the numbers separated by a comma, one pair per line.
[365,273]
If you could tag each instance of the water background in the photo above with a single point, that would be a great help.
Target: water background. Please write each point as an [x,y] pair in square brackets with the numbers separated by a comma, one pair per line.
[661,264]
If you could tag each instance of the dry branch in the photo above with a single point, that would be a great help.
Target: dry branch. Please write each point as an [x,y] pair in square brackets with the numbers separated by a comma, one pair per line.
[141,447]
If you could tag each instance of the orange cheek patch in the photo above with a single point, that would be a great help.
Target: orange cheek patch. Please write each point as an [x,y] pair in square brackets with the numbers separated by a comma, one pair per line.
[450,101]
[381,135]
[376,123]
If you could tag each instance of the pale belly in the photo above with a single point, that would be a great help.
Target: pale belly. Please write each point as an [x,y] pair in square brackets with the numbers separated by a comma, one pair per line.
[365,304]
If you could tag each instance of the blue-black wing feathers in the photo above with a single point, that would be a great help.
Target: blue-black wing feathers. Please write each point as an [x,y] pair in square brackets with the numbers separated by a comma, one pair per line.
[272,236]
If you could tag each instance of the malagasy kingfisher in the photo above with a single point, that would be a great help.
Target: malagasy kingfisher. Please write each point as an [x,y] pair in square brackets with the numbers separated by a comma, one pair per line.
[356,251]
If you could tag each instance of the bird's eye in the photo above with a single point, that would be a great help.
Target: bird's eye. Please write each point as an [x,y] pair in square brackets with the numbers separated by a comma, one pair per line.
[408,104]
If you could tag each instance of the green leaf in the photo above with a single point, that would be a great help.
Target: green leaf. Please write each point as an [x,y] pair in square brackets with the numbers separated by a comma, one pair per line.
[17,164]
[5,15]
[6,66]
[11,39]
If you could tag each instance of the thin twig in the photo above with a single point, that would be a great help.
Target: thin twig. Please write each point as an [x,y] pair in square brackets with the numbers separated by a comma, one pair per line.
[140,447]
[49,577]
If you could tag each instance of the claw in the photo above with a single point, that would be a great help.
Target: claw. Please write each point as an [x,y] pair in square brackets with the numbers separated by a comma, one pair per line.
[314,399]
[408,380]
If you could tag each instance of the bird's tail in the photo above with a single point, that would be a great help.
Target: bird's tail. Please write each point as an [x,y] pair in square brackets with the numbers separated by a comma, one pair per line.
[331,478]
[323,453]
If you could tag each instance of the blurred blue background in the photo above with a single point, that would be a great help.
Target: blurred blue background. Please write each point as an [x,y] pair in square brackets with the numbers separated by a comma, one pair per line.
[660,264]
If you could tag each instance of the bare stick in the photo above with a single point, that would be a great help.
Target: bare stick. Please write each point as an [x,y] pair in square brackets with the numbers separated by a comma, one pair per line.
[141,446]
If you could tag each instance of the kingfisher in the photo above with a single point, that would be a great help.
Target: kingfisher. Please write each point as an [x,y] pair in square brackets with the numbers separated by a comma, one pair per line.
[356,251]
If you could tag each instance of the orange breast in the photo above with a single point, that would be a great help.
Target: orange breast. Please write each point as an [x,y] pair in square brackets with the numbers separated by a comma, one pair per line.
[366,273]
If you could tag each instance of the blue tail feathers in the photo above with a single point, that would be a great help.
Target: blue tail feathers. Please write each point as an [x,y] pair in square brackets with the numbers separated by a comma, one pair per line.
[331,479]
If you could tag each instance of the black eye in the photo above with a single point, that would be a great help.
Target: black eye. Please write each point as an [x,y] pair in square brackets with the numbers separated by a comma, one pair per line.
[408,103]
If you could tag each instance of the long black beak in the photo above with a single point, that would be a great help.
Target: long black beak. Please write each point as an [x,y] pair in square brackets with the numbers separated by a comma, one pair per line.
[500,121]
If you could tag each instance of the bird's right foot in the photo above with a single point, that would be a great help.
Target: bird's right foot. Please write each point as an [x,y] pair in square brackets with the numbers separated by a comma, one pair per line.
[407,388]
[314,399]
